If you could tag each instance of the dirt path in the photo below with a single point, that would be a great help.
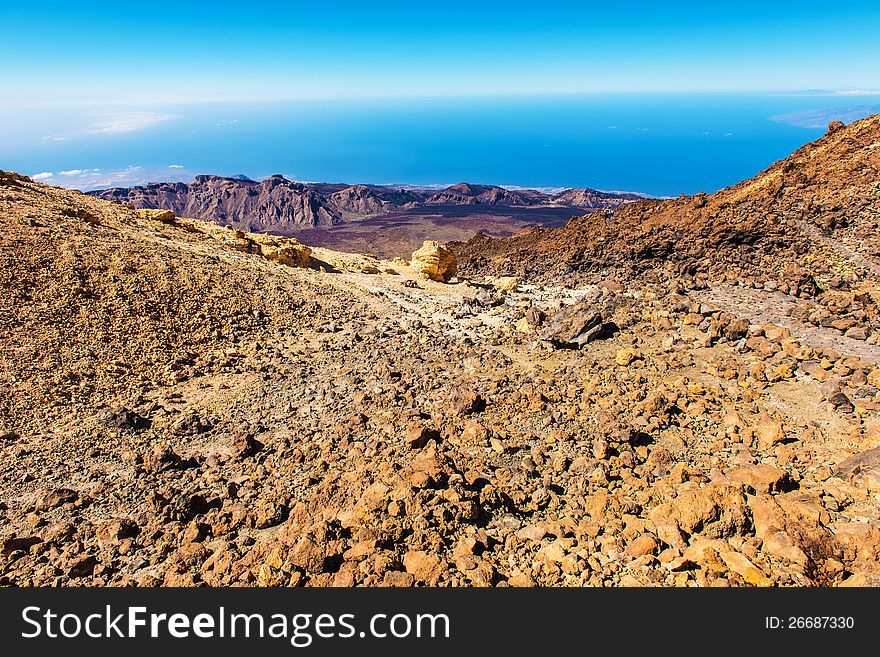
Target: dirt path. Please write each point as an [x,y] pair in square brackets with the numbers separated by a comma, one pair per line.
[838,246]
[763,307]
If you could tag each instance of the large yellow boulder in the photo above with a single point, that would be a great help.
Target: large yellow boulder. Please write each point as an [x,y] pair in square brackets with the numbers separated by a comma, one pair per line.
[283,250]
[435,261]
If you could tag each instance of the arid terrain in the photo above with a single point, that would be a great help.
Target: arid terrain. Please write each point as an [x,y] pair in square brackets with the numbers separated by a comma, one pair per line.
[398,234]
[680,392]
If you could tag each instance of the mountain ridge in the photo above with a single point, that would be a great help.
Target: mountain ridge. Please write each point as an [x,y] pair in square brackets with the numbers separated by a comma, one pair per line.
[277,204]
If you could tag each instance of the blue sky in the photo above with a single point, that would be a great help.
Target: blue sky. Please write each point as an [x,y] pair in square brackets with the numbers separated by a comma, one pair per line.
[87,52]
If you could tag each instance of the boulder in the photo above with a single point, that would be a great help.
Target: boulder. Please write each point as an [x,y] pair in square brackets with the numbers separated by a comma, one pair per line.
[424,566]
[283,250]
[714,510]
[435,261]
[627,356]
[835,126]
[760,478]
[506,283]
[122,418]
[165,216]
[573,326]
[865,465]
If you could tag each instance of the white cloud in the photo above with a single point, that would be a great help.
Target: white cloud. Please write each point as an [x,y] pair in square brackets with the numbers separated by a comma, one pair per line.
[122,122]
[856,92]
[77,172]
[86,179]
[116,123]
[175,166]
[45,175]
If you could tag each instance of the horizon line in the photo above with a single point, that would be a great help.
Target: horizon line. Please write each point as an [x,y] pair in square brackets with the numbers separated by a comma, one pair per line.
[843,93]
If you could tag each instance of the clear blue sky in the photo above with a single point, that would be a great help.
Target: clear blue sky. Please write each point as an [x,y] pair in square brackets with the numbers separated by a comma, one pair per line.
[82,52]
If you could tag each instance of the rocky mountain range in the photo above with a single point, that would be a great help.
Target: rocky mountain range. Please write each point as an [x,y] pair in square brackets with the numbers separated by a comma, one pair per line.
[678,392]
[279,205]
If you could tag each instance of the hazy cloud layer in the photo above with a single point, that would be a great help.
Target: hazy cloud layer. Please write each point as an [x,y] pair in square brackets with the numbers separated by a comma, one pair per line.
[87,179]
[115,123]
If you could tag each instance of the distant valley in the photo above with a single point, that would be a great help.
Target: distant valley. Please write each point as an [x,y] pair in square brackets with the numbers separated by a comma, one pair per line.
[347,217]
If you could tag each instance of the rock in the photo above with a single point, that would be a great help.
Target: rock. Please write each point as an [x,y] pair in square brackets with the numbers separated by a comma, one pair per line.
[161,458]
[81,566]
[435,261]
[715,511]
[737,329]
[601,449]
[643,545]
[196,532]
[857,333]
[840,401]
[522,325]
[310,554]
[814,369]
[790,525]
[423,566]
[573,326]
[741,565]
[399,579]
[555,552]
[466,402]
[57,497]
[418,435]
[117,530]
[761,345]
[165,216]
[865,464]
[768,431]
[190,424]
[483,299]
[474,433]
[14,543]
[283,250]
[531,532]
[122,418]
[679,564]
[760,478]
[506,283]
[535,317]
[243,444]
[835,126]
[776,333]
[780,545]
[8,436]
[627,356]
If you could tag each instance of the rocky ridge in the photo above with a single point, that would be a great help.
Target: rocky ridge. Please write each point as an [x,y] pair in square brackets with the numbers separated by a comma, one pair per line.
[279,205]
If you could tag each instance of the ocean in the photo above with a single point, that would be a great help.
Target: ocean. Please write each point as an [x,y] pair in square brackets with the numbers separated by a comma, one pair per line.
[657,144]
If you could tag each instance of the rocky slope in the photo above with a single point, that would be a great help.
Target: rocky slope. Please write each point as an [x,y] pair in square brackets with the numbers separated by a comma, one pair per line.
[186,405]
[282,206]
[754,228]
